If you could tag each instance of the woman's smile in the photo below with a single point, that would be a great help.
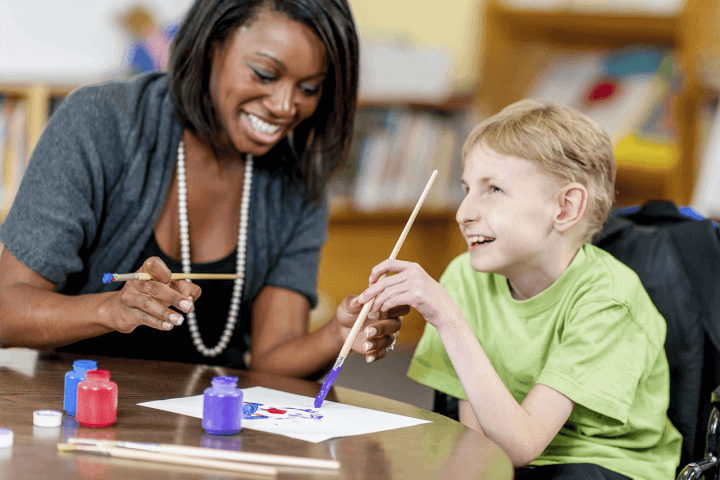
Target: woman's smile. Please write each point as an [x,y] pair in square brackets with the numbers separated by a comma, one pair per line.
[260,130]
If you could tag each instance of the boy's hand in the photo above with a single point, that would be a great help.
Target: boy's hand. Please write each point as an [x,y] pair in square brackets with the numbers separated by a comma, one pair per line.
[411,285]
[378,332]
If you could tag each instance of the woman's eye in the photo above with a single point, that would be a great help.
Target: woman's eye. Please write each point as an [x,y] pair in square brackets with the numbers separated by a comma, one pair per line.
[310,90]
[264,76]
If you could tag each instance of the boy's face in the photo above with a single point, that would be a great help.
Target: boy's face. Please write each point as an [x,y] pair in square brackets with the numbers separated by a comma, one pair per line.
[507,213]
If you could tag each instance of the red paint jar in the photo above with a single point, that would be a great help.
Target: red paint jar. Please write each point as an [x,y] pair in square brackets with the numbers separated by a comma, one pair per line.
[97,399]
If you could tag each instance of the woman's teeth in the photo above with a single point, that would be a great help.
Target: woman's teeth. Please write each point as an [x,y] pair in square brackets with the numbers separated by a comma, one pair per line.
[262,126]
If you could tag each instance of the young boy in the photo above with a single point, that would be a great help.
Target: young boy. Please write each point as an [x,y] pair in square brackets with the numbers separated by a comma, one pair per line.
[553,346]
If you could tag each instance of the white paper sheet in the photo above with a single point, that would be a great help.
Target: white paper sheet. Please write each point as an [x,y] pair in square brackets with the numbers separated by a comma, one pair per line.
[295,415]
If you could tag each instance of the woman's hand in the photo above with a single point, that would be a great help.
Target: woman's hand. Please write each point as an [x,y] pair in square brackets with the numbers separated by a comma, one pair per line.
[410,285]
[378,332]
[148,302]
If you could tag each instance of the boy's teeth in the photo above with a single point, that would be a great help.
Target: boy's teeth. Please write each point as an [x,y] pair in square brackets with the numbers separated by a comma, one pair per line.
[480,239]
[262,126]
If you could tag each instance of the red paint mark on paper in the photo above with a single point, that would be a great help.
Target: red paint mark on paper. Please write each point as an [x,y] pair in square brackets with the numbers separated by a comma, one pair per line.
[274,410]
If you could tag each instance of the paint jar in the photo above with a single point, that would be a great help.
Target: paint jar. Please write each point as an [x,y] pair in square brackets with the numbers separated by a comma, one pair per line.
[72,378]
[222,407]
[97,400]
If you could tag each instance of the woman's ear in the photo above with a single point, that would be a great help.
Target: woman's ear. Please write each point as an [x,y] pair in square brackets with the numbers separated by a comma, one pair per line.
[572,203]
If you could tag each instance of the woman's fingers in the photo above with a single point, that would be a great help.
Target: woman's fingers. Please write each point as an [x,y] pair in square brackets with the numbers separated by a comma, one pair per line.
[395,312]
[167,295]
[377,348]
[135,308]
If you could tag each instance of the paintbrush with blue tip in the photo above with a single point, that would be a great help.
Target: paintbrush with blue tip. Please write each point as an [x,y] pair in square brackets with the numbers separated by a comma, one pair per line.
[360,321]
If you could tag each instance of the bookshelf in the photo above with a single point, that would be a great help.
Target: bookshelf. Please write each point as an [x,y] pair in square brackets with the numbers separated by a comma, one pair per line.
[518,43]
[358,237]
[29,105]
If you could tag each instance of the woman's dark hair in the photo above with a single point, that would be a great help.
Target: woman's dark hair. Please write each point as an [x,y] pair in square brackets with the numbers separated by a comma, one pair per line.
[322,141]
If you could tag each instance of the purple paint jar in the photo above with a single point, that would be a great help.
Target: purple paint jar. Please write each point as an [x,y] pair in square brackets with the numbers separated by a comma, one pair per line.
[222,407]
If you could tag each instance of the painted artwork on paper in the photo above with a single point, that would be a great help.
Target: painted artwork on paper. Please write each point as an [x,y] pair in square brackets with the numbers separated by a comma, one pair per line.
[294,416]
[258,411]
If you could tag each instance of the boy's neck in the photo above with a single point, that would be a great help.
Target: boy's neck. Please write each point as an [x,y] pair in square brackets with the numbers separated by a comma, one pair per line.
[527,284]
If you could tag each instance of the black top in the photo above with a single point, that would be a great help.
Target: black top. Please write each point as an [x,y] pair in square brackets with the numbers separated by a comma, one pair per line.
[211,310]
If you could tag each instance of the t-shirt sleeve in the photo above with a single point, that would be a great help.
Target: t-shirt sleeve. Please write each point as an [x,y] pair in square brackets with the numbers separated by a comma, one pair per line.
[54,215]
[600,359]
[297,267]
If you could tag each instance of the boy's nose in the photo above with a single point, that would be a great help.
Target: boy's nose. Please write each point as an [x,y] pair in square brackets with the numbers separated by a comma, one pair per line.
[466,213]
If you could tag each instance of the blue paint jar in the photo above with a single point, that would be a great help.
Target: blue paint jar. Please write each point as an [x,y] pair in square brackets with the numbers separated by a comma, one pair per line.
[222,407]
[72,378]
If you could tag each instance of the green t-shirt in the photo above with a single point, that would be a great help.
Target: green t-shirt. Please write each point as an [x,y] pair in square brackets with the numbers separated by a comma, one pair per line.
[593,335]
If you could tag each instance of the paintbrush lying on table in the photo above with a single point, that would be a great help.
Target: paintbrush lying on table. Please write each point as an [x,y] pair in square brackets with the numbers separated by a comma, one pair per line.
[210,453]
[172,458]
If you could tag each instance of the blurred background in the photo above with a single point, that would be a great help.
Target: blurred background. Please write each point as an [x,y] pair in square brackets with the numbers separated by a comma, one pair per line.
[648,71]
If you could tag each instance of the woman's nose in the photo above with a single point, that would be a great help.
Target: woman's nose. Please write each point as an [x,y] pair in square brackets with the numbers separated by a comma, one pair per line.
[281,102]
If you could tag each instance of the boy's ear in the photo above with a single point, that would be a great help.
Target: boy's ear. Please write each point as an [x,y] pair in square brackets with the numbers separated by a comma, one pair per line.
[572,203]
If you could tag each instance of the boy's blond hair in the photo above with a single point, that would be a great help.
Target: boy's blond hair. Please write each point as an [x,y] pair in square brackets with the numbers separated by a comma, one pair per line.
[569,145]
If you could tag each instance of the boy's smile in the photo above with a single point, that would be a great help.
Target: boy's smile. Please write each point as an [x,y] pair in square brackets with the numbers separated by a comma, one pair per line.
[507,218]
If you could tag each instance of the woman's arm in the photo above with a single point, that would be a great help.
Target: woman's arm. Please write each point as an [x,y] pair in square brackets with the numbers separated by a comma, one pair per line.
[281,344]
[34,316]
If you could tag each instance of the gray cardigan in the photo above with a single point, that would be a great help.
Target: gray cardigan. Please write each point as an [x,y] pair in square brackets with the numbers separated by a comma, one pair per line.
[97,182]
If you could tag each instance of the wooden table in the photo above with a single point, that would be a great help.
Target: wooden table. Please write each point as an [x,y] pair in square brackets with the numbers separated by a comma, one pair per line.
[32,380]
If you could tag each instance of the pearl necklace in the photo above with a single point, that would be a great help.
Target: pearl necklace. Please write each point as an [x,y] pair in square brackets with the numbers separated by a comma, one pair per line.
[241,247]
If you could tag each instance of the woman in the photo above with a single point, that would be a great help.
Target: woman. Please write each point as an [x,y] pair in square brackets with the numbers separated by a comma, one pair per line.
[149,175]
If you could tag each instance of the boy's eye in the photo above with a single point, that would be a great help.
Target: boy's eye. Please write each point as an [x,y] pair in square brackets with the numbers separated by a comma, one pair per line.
[494,189]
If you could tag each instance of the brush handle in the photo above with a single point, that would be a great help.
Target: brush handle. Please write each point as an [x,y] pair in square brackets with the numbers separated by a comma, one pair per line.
[202,452]
[124,277]
[161,457]
[357,326]
[398,245]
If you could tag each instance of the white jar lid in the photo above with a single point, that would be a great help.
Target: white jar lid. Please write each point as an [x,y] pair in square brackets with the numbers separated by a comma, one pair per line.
[6,438]
[47,418]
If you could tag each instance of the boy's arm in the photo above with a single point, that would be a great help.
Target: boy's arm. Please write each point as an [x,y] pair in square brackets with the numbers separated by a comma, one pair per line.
[522,431]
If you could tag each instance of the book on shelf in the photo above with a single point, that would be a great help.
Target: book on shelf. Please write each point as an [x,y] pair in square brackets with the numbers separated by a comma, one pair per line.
[630,92]
[613,7]
[396,154]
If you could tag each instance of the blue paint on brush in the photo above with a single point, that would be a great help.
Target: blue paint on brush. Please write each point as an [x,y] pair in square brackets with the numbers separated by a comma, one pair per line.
[329,380]
[108,278]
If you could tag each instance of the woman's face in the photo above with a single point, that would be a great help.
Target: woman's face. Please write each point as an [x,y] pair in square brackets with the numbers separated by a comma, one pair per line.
[266,80]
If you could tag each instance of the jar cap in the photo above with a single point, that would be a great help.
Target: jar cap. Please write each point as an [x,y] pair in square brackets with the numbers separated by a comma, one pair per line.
[85,364]
[7,438]
[100,374]
[47,418]
[225,381]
